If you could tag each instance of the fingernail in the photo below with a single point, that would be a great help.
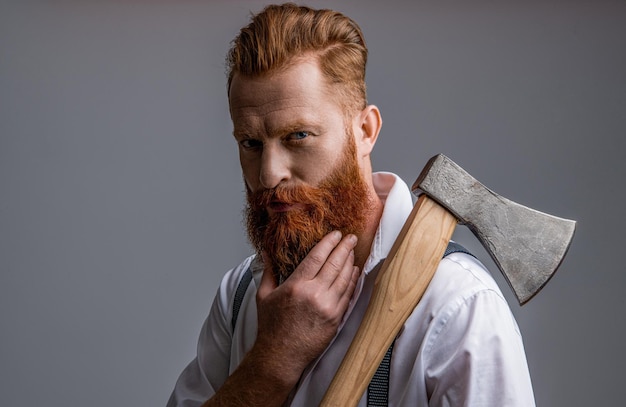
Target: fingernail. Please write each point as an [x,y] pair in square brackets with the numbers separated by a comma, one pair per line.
[336,235]
[352,239]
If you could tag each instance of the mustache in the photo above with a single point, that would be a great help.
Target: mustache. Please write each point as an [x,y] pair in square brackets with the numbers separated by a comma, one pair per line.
[299,194]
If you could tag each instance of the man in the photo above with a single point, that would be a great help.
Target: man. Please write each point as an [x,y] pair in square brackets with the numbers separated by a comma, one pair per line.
[322,222]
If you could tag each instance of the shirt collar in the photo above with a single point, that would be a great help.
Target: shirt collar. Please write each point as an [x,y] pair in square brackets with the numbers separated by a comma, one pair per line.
[398,203]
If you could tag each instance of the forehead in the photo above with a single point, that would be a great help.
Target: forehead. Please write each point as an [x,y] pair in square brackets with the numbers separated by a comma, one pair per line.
[299,90]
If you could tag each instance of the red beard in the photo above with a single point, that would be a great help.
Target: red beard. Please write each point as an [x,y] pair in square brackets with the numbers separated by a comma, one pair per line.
[340,202]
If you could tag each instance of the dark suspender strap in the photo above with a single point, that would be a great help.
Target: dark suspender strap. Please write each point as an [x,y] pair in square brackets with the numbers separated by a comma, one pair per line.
[378,389]
[454,247]
[239,294]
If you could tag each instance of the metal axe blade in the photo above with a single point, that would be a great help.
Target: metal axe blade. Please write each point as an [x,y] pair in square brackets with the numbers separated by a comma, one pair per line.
[526,245]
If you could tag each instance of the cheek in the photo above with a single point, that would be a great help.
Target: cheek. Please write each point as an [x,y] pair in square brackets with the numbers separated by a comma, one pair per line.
[322,166]
[249,173]
[313,167]
[249,187]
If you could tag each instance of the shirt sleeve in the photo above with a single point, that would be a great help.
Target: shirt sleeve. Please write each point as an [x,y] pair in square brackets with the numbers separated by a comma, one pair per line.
[476,356]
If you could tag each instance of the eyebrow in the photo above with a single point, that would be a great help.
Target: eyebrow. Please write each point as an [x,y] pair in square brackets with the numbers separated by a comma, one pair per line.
[241,132]
[244,131]
[298,126]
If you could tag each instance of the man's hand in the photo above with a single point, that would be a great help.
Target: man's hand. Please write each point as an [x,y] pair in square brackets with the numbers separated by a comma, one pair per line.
[298,319]
[296,322]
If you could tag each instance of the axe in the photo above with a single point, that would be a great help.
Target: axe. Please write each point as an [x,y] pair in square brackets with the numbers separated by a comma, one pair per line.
[526,245]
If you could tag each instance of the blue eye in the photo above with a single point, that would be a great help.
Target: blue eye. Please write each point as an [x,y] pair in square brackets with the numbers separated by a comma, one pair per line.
[299,135]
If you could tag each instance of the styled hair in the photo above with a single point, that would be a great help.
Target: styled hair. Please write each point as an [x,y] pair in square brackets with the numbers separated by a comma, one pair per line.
[280,34]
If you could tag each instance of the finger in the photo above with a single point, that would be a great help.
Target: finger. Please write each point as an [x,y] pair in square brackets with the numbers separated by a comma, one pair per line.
[344,276]
[313,262]
[268,281]
[346,296]
[340,261]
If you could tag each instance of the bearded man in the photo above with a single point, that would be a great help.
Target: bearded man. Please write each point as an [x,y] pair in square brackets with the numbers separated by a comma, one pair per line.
[321,223]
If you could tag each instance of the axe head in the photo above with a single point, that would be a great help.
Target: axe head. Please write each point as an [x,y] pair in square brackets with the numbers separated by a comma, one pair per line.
[526,245]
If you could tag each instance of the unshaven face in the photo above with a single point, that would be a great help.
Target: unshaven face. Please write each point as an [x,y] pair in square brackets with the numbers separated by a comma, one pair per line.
[299,162]
[340,202]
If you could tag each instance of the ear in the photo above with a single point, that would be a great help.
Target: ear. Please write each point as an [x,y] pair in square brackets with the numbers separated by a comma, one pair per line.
[367,127]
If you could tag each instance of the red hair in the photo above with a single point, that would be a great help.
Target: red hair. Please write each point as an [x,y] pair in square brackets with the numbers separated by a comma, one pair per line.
[280,34]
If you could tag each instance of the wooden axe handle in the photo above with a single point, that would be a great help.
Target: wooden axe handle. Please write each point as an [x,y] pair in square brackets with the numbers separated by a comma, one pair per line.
[400,284]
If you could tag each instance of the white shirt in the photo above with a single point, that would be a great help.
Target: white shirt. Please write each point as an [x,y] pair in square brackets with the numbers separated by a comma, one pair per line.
[461,345]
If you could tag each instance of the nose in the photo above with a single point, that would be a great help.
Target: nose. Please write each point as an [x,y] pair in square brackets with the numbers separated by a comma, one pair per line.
[274,167]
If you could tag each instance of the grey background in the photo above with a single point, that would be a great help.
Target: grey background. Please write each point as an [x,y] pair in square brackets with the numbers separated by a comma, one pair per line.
[121,196]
